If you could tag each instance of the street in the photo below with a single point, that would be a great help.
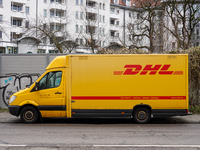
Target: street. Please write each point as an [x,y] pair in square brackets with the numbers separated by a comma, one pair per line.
[99,134]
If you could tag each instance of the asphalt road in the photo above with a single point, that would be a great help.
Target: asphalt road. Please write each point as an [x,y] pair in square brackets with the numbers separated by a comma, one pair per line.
[99,134]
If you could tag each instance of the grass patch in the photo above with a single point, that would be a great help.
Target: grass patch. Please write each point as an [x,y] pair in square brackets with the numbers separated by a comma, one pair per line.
[194,109]
[4,110]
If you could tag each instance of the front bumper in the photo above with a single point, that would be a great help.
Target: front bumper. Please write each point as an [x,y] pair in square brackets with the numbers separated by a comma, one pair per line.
[14,110]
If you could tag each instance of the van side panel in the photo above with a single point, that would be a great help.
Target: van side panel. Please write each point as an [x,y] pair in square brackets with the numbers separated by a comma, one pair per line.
[115,84]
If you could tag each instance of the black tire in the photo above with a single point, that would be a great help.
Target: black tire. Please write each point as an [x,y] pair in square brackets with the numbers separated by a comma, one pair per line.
[142,115]
[29,114]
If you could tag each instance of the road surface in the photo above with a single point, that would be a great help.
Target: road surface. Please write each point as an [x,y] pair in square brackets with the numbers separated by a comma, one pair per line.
[99,134]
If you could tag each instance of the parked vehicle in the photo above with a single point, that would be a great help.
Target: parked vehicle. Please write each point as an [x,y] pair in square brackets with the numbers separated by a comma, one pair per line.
[136,86]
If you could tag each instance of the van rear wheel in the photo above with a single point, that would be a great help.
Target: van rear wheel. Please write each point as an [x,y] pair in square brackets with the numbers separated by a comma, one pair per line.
[142,115]
[29,114]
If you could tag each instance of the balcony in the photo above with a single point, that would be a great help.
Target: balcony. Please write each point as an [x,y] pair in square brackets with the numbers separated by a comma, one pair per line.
[114,27]
[114,15]
[19,1]
[56,5]
[18,14]
[56,19]
[91,16]
[18,30]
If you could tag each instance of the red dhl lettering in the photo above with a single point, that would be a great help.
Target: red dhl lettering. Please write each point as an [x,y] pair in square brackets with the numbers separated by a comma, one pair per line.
[148,70]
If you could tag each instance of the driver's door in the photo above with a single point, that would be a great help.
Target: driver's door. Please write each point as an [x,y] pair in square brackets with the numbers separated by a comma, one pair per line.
[50,95]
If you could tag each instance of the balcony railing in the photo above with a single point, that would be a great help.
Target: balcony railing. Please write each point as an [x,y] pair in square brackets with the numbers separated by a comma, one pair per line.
[56,5]
[19,1]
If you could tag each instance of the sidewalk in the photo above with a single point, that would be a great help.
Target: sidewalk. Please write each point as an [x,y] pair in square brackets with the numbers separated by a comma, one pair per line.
[6,117]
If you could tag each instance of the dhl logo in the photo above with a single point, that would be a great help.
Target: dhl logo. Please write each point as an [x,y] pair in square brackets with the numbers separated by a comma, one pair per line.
[152,70]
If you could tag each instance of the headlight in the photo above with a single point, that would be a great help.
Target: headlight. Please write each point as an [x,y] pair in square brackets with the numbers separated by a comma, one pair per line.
[12,99]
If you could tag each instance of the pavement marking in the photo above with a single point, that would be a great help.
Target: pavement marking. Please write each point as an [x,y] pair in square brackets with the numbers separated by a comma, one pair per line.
[10,145]
[160,146]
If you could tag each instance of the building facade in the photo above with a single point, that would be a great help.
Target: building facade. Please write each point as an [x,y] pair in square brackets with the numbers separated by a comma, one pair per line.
[91,24]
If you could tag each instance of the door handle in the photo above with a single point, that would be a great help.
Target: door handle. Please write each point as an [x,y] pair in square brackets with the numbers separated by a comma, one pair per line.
[58,93]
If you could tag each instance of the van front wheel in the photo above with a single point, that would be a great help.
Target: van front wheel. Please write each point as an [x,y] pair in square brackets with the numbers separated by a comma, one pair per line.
[29,114]
[141,115]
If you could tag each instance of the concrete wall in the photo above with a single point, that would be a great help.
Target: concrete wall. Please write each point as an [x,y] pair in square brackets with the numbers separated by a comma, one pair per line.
[20,70]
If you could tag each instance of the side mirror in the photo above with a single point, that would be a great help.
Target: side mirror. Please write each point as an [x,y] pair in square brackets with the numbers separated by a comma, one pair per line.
[36,86]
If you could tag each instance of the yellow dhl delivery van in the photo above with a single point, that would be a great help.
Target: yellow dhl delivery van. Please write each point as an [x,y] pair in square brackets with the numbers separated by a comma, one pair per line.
[137,86]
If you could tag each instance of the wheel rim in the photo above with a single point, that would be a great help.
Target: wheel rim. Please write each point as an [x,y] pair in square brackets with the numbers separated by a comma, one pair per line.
[142,115]
[28,115]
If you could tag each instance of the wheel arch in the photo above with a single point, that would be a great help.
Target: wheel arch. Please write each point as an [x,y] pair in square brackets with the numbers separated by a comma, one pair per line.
[31,105]
[142,105]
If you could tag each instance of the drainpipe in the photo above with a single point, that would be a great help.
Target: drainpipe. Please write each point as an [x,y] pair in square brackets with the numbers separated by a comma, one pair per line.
[124,25]
[36,16]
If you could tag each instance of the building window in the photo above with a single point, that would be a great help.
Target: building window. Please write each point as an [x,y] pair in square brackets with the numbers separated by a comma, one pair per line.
[129,15]
[51,27]
[44,40]
[52,1]
[51,13]
[16,22]
[27,24]
[41,51]
[45,1]
[81,2]
[1,18]
[0,34]
[173,45]
[58,14]
[77,2]
[117,23]
[103,19]
[117,35]
[2,50]
[76,28]
[27,10]
[59,1]
[103,6]
[81,29]
[112,22]
[45,13]
[77,14]
[117,12]
[76,40]
[100,6]
[99,18]
[112,33]
[58,27]
[12,50]
[44,26]
[53,51]
[81,41]
[103,31]
[138,16]
[81,15]
[1,3]
[112,10]
[13,35]
[16,7]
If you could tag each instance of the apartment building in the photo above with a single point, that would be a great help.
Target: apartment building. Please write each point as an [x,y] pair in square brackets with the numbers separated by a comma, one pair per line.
[109,20]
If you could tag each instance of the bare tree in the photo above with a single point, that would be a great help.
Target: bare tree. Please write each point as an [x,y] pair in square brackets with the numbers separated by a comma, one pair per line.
[92,30]
[54,33]
[183,16]
[147,26]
